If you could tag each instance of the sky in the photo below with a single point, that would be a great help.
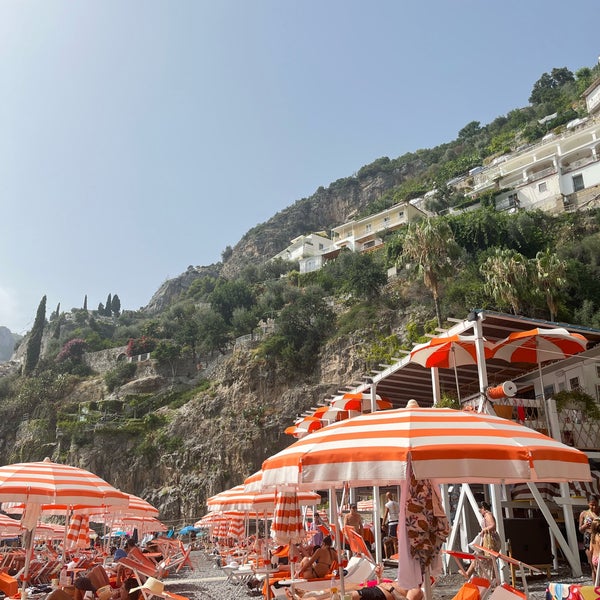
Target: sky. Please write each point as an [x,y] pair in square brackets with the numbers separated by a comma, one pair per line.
[138,137]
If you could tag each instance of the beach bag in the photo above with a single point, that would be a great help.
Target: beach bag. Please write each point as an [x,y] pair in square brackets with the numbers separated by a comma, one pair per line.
[491,541]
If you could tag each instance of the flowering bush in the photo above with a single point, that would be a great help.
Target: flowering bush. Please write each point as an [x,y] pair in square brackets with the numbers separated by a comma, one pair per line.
[72,350]
[140,346]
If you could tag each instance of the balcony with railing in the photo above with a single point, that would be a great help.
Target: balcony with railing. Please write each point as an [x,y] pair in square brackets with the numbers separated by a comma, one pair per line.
[577,427]
[537,175]
[577,164]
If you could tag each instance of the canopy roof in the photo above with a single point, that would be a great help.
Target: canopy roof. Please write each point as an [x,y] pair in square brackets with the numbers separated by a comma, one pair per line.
[405,380]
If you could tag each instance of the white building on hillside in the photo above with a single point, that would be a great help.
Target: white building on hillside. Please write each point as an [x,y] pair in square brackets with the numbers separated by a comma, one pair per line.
[306,249]
[560,172]
[364,234]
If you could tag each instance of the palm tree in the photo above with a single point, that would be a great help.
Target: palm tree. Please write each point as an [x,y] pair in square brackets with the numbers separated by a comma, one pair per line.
[505,274]
[431,245]
[551,277]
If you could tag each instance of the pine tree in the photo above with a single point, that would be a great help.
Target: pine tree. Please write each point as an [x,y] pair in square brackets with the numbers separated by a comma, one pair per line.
[108,307]
[116,305]
[34,346]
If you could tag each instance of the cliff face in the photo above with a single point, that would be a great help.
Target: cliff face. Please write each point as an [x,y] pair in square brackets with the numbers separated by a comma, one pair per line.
[177,457]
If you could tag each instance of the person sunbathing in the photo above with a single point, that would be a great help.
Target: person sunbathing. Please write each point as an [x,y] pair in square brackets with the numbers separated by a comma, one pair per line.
[382,590]
[319,563]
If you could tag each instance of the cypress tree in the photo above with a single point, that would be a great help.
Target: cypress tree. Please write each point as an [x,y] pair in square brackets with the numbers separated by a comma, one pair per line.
[108,307]
[100,308]
[32,355]
[85,303]
[116,305]
[57,324]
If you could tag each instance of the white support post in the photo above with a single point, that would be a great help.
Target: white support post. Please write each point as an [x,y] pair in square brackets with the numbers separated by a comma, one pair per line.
[481,366]
[435,385]
[571,553]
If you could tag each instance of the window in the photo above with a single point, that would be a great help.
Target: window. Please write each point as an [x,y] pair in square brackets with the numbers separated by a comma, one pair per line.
[386,221]
[401,214]
[574,383]
[578,183]
[368,228]
[598,371]
[543,187]
[320,246]
[549,390]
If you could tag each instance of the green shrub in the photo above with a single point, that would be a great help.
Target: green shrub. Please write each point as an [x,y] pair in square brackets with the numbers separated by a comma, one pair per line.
[123,373]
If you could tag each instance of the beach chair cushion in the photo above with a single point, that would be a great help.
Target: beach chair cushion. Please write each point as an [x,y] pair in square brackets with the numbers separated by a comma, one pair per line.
[467,591]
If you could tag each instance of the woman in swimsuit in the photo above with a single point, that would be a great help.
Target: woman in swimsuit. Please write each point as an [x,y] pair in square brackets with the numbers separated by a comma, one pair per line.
[388,590]
[319,563]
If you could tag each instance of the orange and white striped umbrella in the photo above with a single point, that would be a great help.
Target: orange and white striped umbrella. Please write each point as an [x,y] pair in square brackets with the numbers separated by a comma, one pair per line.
[330,413]
[9,525]
[448,351]
[449,445]
[237,498]
[236,527]
[287,522]
[143,524]
[539,345]
[46,482]
[359,402]
[78,533]
[305,426]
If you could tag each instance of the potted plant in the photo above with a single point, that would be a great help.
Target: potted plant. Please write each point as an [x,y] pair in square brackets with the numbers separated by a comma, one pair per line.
[448,401]
[577,400]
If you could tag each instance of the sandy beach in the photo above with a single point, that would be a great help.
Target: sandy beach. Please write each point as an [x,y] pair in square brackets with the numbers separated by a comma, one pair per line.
[209,582]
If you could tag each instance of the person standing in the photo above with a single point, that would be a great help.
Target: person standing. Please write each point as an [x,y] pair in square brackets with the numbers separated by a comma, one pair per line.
[390,516]
[594,548]
[489,538]
[353,519]
[586,518]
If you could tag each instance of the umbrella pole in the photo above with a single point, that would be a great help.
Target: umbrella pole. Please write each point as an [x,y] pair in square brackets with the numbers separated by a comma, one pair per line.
[338,538]
[28,555]
[455,371]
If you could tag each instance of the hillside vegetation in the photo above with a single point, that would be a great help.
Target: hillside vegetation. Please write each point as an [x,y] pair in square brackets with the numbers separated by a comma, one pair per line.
[201,416]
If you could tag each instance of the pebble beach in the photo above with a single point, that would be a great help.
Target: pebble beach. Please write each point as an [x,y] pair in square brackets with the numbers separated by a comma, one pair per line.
[208,582]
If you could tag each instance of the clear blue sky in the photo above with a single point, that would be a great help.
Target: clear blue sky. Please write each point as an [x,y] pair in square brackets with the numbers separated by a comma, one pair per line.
[138,137]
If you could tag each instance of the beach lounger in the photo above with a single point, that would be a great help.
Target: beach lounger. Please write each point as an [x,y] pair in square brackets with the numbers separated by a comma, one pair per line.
[358,570]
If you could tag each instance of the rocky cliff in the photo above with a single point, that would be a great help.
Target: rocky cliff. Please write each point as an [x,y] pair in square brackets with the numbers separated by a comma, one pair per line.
[181,453]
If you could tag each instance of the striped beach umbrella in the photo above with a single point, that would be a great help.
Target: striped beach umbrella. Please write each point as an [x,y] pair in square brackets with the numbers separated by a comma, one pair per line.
[539,345]
[36,484]
[359,402]
[9,526]
[46,482]
[449,445]
[237,498]
[305,426]
[78,533]
[448,351]
[287,521]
